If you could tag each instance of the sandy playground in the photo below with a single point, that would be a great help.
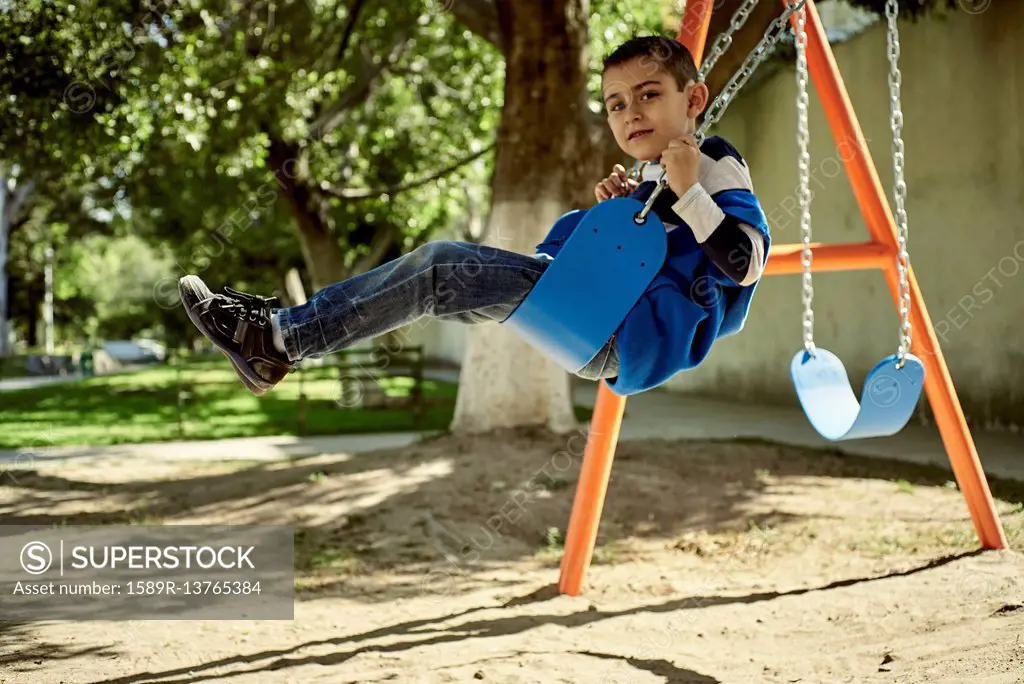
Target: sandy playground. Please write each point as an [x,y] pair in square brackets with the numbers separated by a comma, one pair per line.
[717,562]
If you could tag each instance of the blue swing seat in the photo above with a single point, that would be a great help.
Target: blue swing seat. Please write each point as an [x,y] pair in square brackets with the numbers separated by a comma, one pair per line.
[600,272]
[888,400]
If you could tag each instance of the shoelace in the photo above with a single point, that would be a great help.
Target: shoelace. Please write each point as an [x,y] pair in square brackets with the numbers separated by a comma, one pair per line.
[253,308]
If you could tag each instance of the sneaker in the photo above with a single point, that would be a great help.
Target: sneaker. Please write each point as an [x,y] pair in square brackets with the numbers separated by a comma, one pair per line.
[239,325]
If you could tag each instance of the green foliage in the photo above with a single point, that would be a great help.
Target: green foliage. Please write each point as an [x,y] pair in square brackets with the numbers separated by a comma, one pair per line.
[158,119]
[553,538]
[63,88]
[180,107]
[118,276]
[164,113]
[103,282]
[230,89]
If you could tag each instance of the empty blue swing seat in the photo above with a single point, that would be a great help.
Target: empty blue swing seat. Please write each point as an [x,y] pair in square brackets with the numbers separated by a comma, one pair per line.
[602,269]
[887,402]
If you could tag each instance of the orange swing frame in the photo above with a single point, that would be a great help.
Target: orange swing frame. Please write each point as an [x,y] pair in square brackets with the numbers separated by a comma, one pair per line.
[880,253]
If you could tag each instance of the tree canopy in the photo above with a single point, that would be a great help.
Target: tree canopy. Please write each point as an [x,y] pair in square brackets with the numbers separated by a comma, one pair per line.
[254,136]
[220,131]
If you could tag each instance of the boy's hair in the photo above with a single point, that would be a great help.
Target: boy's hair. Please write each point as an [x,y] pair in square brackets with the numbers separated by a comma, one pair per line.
[669,54]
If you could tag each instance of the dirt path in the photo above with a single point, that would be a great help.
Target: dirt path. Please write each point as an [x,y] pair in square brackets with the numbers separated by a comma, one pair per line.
[435,563]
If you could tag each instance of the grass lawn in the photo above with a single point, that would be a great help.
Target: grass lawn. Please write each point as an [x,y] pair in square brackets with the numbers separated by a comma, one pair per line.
[143,407]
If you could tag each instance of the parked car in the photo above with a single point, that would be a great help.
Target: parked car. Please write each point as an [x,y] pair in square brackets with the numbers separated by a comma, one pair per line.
[135,351]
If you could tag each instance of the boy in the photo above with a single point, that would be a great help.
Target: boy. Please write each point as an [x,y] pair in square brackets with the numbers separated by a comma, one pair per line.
[717,245]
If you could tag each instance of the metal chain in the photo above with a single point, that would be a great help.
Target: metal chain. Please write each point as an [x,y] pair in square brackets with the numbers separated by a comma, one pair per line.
[899,184]
[804,165]
[764,47]
[724,39]
[637,171]
[714,112]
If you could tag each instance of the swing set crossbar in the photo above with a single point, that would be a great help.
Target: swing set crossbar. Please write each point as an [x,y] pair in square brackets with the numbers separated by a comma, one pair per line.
[880,252]
[853,256]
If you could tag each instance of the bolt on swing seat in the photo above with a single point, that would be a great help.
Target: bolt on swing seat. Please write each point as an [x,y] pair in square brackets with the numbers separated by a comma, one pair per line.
[599,274]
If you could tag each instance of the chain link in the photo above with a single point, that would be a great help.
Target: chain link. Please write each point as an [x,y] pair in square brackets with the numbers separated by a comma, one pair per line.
[899,184]
[724,40]
[714,112]
[804,165]
[764,47]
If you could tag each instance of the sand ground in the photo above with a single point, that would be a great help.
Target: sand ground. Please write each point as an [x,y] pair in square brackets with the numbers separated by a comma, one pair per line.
[717,562]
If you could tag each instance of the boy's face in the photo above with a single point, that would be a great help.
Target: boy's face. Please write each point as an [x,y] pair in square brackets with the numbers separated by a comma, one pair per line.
[646,109]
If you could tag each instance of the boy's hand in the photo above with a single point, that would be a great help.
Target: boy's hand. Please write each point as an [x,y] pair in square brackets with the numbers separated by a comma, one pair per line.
[681,161]
[618,184]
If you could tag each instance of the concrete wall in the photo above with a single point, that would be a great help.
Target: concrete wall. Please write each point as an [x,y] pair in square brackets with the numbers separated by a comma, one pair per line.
[963,103]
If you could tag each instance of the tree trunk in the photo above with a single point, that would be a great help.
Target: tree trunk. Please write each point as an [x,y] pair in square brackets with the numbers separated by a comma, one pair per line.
[12,200]
[32,329]
[545,155]
[320,249]
[5,227]
[48,300]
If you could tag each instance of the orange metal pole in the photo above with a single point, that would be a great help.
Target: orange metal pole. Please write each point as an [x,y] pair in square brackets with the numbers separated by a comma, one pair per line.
[581,535]
[873,204]
[786,259]
[693,29]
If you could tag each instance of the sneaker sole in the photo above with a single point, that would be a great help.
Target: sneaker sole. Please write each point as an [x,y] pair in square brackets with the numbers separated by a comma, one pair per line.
[252,383]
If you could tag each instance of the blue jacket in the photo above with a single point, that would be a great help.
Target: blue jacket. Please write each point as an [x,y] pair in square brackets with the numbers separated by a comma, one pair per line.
[690,303]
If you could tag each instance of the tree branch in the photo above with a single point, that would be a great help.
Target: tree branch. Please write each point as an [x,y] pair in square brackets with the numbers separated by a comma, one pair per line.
[15,200]
[280,154]
[476,229]
[381,242]
[347,194]
[350,25]
[15,224]
[358,91]
[480,17]
[20,194]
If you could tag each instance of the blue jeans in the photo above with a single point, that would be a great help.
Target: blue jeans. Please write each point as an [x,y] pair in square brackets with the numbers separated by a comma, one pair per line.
[447,281]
